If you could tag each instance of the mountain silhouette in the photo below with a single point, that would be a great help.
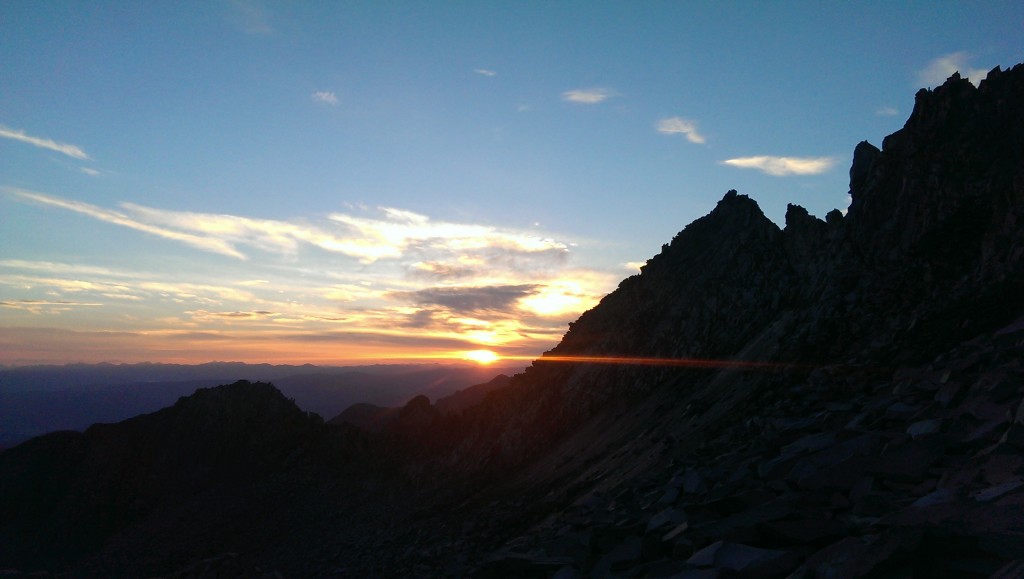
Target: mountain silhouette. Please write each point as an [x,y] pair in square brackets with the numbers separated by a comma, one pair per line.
[372,418]
[841,397]
[35,400]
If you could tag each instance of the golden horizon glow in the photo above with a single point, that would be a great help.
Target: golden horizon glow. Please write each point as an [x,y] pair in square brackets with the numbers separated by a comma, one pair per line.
[482,357]
[45,346]
[60,313]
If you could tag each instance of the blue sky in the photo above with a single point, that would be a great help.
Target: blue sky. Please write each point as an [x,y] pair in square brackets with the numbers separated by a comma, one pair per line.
[346,182]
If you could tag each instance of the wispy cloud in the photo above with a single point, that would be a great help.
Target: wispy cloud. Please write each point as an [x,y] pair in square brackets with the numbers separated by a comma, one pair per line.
[63,268]
[561,296]
[76,284]
[403,231]
[116,217]
[44,306]
[73,151]
[784,166]
[348,293]
[887,112]
[326,97]
[439,270]
[485,72]
[422,282]
[587,96]
[89,172]
[200,292]
[366,239]
[234,315]
[680,126]
[469,300]
[940,69]
[265,234]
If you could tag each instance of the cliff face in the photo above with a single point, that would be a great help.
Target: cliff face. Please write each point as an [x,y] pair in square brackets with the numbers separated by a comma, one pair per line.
[947,187]
[934,228]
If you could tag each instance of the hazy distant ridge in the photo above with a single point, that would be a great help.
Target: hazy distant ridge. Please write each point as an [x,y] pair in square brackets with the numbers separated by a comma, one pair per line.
[38,399]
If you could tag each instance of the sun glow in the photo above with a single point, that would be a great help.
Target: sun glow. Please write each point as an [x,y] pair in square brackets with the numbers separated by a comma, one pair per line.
[480,356]
[559,298]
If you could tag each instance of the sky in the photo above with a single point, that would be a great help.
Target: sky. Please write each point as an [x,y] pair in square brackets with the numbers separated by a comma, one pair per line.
[359,182]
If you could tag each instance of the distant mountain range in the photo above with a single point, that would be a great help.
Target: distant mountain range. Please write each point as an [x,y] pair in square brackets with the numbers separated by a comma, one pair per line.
[842,397]
[374,418]
[35,400]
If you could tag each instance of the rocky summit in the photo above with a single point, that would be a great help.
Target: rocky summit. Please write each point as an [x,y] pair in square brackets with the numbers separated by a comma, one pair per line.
[841,397]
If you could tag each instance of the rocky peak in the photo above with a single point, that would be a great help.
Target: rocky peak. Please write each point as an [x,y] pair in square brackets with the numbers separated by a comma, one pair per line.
[947,105]
[939,182]
[735,222]
[688,279]
[804,237]
[864,156]
[414,420]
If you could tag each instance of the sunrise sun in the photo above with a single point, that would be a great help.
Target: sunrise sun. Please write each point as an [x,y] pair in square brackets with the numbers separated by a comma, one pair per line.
[480,356]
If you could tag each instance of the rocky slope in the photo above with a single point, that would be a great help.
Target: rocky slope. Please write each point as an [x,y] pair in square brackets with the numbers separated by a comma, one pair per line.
[838,398]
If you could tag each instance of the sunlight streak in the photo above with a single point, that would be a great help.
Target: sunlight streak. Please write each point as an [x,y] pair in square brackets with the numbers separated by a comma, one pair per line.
[483,357]
[675,362]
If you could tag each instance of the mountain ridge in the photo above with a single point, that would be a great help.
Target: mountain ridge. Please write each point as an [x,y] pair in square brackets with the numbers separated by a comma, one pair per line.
[40,399]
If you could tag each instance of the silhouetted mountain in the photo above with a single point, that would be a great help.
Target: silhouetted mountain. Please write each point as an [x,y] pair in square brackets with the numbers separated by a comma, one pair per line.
[328,395]
[39,399]
[839,398]
[372,418]
[463,399]
[367,417]
[67,491]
